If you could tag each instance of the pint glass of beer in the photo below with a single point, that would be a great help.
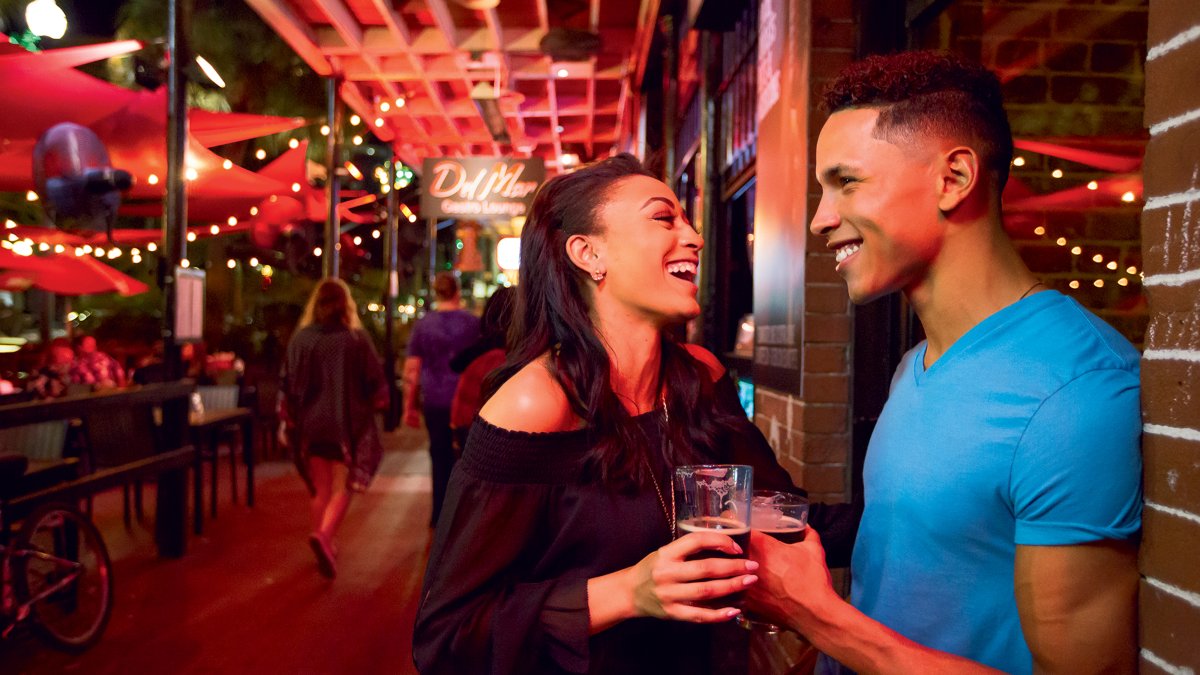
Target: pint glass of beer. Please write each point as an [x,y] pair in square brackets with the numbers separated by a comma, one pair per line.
[782,515]
[715,498]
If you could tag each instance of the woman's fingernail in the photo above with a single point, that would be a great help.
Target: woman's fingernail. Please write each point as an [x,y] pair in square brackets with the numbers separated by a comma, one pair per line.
[732,612]
[751,565]
[749,579]
[737,549]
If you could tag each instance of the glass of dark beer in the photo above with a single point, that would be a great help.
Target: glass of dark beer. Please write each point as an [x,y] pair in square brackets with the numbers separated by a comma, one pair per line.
[715,498]
[782,515]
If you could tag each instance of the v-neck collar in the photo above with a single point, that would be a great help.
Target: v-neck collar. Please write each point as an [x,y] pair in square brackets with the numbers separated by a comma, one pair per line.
[1014,312]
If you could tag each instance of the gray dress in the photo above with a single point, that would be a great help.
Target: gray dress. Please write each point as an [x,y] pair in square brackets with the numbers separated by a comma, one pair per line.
[331,381]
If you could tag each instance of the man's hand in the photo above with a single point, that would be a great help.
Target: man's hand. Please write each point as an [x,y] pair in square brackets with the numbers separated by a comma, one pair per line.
[793,580]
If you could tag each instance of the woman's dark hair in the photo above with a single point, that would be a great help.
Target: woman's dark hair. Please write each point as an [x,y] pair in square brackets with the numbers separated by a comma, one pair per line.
[498,313]
[553,316]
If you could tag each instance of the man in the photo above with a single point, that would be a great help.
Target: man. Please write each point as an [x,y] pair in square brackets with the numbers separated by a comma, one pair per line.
[94,367]
[1002,482]
[428,379]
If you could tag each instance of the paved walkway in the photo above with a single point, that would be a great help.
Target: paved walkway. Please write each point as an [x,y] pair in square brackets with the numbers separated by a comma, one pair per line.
[247,597]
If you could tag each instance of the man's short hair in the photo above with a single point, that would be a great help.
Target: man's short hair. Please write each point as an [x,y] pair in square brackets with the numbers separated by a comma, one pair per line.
[445,285]
[929,93]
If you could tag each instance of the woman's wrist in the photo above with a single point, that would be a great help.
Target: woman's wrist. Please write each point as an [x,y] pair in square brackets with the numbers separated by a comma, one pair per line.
[610,600]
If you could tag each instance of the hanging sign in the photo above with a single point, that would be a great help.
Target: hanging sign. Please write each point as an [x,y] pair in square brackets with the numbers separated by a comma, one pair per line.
[479,187]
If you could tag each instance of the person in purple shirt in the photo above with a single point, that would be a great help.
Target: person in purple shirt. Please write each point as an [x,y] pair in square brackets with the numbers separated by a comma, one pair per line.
[428,379]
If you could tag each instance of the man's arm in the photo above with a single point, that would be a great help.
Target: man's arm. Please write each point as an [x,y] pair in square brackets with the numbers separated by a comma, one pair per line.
[794,587]
[412,391]
[1078,606]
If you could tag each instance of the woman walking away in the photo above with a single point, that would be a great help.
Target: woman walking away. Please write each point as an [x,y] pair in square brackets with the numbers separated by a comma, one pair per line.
[331,383]
[555,552]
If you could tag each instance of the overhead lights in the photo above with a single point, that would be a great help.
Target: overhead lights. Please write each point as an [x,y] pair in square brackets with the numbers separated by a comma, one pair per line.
[231,221]
[324,129]
[562,72]
[400,102]
[317,251]
[355,120]
[260,153]
[152,179]
[1128,197]
[152,247]
[191,236]
[190,174]
[374,234]
[46,19]
[214,230]
[385,106]
[210,71]
[227,164]
[1093,185]
[231,263]
[378,121]
[1039,230]
[357,140]
[31,196]
[1018,161]
[1057,173]
[357,240]
[254,210]
[295,187]
[254,262]
[185,263]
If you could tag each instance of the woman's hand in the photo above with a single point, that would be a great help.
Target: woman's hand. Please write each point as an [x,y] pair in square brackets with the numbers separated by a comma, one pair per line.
[667,585]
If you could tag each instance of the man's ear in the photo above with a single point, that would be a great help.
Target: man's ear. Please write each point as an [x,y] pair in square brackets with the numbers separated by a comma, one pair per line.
[583,251]
[961,174]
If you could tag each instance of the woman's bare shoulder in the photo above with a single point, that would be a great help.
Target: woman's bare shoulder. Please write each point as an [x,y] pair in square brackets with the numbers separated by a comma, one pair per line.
[533,401]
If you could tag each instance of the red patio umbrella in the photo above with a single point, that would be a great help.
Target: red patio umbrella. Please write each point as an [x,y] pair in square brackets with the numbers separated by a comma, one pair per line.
[65,274]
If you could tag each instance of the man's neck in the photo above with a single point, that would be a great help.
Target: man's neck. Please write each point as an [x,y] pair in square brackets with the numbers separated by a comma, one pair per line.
[976,274]
[448,305]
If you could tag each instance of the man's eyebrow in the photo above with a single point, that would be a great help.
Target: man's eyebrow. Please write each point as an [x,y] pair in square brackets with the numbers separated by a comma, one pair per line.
[830,174]
[658,199]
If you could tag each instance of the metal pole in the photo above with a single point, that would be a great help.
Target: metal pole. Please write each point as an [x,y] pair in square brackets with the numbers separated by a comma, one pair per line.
[175,211]
[329,259]
[432,263]
[391,252]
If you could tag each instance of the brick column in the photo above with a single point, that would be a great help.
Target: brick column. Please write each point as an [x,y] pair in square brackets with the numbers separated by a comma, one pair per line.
[810,432]
[1170,592]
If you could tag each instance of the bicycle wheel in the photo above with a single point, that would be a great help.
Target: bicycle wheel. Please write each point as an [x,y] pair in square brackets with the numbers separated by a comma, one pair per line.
[56,542]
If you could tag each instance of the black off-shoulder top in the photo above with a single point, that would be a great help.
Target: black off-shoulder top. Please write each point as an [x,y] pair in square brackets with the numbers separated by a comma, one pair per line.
[522,531]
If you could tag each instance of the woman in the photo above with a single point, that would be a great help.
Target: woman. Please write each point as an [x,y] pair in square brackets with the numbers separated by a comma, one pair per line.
[555,550]
[332,380]
[474,363]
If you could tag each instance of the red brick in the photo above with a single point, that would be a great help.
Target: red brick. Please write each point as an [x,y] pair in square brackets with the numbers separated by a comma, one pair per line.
[825,448]
[1165,535]
[824,359]
[1170,627]
[1167,388]
[821,268]
[826,299]
[826,328]
[827,33]
[826,388]
[825,477]
[1171,473]
[770,405]
[835,10]
[825,419]
[1170,18]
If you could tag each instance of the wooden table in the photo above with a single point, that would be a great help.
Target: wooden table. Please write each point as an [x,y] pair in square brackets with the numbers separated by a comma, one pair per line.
[206,430]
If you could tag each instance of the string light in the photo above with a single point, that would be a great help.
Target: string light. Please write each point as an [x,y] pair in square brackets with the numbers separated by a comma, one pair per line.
[1128,197]
[227,164]
[191,236]
[43,247]
[254,262]
[400,102]
[232,221]
[114,253]
[99,252]
[324,129]
[1122,281]
[152,179]
[357,241]
[1099,283]
[1074,284]
[59,248]
[260,153]
[1039,230]
[185,263]
[293,144]
[295,187]
[215,229]
[254,210]
[9,224]
[1018,161]
[1098,258]
[191,174]
[1057,173]
[317,251]
[355,120]
[31,196]
[1076,250]
[385,106]
[1093,185]
[1061,241]
[1112,265]
[231,263]
[152,247]
[374,234]
[378,121]
[357,140]
[1131,269]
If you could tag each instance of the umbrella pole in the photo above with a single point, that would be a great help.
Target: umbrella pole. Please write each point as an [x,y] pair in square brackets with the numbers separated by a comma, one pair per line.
[175,221]
[391,250]
[329,261]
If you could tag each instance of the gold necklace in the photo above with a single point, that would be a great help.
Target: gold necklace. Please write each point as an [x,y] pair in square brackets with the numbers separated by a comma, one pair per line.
[1029,290]
[670,516]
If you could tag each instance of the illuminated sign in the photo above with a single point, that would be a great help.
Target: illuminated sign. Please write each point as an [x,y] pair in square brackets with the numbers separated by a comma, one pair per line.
[479,187]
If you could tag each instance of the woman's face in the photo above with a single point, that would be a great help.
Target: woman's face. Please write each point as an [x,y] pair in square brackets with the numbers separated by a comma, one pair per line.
[649,251]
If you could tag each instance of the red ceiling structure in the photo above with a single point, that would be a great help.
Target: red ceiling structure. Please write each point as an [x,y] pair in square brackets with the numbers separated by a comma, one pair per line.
[440,77]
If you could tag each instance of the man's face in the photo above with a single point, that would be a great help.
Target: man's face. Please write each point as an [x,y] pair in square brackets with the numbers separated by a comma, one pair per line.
[878,207]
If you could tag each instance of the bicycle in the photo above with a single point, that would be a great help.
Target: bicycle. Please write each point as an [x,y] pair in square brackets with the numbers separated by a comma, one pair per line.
[55,572]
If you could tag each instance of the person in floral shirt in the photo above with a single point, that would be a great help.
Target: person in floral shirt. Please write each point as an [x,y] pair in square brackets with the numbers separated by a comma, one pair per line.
[94,367]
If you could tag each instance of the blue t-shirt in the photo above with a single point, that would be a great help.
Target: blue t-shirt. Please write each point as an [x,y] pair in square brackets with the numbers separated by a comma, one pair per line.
[1027,431]
[436,339]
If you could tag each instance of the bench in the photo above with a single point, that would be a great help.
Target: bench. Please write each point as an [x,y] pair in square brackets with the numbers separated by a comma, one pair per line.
[145,430]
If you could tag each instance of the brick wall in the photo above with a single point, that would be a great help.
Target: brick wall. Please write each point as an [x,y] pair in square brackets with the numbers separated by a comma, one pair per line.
[1073,69]
[810,432]
[1170,594]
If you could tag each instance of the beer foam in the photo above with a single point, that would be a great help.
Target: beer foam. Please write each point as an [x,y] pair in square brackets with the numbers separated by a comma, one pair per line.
[784,525]
[726,526]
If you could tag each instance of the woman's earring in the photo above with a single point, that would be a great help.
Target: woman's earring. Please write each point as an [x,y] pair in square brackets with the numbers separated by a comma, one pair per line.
[598,275]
